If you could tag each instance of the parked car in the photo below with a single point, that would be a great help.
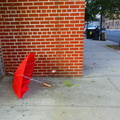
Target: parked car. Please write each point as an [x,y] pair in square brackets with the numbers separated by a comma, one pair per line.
[89,27]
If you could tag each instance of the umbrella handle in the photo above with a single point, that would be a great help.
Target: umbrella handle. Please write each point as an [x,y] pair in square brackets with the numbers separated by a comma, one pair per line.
[46,85]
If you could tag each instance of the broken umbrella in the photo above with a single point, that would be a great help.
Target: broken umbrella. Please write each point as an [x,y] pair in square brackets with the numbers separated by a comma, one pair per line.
[23,75]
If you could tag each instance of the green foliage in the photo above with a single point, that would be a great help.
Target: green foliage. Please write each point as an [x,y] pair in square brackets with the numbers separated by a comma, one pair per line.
[90,13]
[68,83]
[108,8]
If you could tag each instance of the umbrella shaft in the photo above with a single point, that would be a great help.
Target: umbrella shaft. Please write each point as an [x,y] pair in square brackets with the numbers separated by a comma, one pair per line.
[11,73]
[32,79]
[35,80]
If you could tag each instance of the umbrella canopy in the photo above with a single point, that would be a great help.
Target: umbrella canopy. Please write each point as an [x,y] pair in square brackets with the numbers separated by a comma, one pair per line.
[20,83]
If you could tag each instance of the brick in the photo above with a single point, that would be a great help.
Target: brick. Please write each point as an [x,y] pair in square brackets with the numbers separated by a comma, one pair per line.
[64,29]
[35,23]
[74,28]
[82,6]
[22,0]
[37,18]
[53,7]
[49,18]
[74,6]
[17,19]
[64,14]
[59,18]
[65,6]
[81,10]
[53,22]
[21,8]
[23,15]
[32,7]
[16,4]
[80,2]
[28,4]
[69,18]
[43,7]
[48,3]
[22,22]
[33,15]
[7,4]
[72,3]
[38,3]
[64,22]
[12,0]
[39,26]
[43,15]
[59,3]
[74,14]
[54,14]
[3,0]
[33,0]
[59,25]
[69,25]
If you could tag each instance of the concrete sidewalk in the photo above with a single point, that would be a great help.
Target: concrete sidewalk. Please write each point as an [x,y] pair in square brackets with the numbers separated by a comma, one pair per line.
[96,96]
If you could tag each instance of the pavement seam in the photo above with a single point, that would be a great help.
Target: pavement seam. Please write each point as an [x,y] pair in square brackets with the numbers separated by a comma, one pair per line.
[86,77]
[114,85]
[65,106]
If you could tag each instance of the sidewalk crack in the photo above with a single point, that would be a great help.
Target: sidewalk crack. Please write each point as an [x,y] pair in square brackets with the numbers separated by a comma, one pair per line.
[114,85]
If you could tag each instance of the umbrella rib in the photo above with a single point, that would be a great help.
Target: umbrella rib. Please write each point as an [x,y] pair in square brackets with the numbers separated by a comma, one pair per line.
[28,78]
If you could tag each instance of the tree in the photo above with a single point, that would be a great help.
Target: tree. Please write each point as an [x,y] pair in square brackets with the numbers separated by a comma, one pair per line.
[90,14]
[108,8]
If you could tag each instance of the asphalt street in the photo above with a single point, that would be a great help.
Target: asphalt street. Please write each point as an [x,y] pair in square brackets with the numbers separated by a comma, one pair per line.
[113,35]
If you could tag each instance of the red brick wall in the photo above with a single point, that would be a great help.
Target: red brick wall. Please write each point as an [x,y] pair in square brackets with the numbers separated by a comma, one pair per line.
[53,29]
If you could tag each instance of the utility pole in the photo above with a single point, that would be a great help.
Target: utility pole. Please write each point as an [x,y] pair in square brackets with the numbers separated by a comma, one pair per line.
[101,19]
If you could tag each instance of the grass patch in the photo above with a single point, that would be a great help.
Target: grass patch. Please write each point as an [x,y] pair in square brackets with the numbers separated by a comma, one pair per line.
[115,47]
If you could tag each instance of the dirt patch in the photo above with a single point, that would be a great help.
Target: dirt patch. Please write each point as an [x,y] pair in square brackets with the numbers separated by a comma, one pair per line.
[115,47]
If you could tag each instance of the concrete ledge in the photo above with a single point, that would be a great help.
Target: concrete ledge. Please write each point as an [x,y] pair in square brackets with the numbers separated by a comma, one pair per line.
[1,76]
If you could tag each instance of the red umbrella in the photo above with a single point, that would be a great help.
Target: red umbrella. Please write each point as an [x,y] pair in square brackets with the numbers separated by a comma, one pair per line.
[22,75]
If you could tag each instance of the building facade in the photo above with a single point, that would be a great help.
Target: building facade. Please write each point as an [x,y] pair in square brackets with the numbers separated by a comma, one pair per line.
[111,24]
[53,29]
